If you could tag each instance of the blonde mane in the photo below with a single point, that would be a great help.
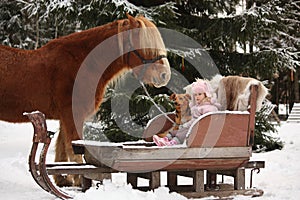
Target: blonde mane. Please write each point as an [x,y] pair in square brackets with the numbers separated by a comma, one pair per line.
[151,42]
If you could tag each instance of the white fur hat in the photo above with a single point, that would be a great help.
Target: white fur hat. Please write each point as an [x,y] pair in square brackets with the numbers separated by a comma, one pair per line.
[200,86]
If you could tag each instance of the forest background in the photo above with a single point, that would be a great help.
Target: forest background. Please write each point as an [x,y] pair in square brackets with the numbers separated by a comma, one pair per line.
[256,38]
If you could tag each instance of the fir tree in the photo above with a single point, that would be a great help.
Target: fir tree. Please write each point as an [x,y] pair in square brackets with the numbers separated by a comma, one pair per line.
[13,29]
[261,40]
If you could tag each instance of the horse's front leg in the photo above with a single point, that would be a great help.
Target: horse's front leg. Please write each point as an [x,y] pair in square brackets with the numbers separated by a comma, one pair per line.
[70,153]
[64,152]
[61,156]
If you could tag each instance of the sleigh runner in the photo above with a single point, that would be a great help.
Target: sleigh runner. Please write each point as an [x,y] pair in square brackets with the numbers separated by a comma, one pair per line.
[217,143]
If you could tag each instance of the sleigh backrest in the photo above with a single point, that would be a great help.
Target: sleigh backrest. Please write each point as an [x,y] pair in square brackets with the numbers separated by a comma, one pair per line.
[225,128]
[217,129]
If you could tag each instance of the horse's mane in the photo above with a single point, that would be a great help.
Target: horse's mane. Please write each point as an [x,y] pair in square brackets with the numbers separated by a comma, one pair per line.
[79,36]
[151,42]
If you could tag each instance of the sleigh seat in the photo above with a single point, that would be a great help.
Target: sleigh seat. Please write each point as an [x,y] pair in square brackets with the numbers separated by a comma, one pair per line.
[217,143]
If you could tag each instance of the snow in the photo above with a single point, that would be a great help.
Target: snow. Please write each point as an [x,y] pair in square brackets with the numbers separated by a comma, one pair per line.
[279,179]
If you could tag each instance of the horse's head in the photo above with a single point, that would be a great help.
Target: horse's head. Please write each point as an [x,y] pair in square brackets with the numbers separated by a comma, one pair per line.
[144,51]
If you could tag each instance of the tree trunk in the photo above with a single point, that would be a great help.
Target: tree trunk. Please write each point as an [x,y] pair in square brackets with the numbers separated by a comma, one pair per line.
[56,27]
[296,85]
[37,32]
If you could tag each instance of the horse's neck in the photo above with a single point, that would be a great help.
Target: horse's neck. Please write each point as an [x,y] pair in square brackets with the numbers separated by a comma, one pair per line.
[84,45]
[87,39]
[100,59]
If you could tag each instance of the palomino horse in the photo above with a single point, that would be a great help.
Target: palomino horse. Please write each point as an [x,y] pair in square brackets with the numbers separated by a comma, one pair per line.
[44,79]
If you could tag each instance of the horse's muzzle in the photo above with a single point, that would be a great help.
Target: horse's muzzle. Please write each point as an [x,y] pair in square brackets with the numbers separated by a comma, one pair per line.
[163,75]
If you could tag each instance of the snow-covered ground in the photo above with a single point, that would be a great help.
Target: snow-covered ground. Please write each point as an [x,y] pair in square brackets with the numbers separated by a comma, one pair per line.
[279,180]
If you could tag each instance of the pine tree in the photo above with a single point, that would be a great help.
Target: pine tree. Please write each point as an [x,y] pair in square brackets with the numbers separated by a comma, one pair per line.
[261,40]
[13,29]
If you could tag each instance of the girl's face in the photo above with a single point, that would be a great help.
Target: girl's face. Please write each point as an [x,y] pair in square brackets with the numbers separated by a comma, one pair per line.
[199,97]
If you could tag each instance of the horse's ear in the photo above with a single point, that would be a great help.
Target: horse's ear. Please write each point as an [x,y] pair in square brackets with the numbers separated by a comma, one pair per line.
[133,22]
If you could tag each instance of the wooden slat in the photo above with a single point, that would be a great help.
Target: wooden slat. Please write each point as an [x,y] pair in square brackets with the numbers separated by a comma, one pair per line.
[198,181]
[118,154]
[154,181]
[239,179]
[255,164]
[67,164]
[247,165]
[77,169]
[132,179]
[224,192]
[172,179]
[184,165]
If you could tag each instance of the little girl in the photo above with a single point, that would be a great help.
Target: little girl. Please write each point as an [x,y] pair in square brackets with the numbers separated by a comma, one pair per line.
[202,103]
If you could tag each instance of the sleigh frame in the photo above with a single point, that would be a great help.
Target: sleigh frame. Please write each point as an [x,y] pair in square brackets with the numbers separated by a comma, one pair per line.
[218,143]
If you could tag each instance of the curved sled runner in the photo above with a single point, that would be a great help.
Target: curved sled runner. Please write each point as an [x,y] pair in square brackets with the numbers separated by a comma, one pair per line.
[217,143]
[39,171]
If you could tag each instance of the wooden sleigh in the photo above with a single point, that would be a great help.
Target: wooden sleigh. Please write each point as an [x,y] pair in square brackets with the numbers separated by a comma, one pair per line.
[218,143]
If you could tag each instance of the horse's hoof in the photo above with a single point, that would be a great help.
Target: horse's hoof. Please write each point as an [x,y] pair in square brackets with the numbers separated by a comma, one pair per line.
[63,181]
